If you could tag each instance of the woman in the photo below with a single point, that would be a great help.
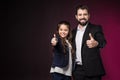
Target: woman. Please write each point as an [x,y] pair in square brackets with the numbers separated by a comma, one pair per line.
[61,68]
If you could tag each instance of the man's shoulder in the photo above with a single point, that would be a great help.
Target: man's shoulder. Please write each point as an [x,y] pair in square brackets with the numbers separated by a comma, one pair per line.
[74,29]
[94,25]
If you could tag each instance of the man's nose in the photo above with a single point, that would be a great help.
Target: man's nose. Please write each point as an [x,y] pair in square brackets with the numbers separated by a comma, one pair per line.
[82,16]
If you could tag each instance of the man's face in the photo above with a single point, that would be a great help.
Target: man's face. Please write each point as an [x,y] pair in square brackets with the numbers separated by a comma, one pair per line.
[82,16]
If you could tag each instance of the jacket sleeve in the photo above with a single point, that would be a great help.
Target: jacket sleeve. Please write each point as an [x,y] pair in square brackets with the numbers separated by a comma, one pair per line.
[99,36]
[58,47]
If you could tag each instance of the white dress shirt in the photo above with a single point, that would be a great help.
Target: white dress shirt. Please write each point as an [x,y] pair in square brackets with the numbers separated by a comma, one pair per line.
[78,41]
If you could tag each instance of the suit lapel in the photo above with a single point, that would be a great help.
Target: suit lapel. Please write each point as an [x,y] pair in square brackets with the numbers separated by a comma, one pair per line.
[86,34]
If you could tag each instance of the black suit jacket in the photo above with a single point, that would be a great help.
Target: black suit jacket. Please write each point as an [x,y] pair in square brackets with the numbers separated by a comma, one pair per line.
[91,58]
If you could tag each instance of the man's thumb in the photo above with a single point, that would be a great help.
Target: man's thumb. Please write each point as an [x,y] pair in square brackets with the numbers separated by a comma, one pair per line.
[91,37]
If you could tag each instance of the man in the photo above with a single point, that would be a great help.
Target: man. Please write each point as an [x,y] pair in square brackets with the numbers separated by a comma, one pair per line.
[87,40]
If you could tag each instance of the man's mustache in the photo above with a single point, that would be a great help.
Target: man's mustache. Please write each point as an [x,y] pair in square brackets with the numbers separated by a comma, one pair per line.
[82,19]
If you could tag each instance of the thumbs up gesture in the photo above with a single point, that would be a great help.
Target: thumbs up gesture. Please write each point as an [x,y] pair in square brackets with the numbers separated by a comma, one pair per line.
[92,42]
[54,40]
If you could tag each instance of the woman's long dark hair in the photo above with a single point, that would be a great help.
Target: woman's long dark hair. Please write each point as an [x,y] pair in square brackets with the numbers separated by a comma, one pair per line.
[69,36]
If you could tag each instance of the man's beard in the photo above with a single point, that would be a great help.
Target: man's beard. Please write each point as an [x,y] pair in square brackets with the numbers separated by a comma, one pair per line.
[83,23]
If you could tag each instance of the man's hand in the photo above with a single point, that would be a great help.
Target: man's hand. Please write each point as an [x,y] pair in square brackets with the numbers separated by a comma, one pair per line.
[92,42]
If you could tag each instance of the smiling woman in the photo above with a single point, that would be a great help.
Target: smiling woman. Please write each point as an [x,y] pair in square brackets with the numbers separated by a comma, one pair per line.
[61,68]
[63,31]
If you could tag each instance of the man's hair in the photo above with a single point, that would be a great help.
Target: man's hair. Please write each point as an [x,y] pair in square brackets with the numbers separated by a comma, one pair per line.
[81,7]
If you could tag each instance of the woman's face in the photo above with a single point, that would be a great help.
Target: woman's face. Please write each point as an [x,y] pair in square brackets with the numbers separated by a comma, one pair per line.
[63,30]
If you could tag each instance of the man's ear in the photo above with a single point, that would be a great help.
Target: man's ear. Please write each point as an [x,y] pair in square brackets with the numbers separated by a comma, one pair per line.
[76,16]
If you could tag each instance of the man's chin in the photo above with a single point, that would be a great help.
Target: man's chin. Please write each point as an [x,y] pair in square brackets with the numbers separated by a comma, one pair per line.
[83,24]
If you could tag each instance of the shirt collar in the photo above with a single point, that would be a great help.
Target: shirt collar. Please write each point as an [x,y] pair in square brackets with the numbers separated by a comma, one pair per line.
[83,29]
